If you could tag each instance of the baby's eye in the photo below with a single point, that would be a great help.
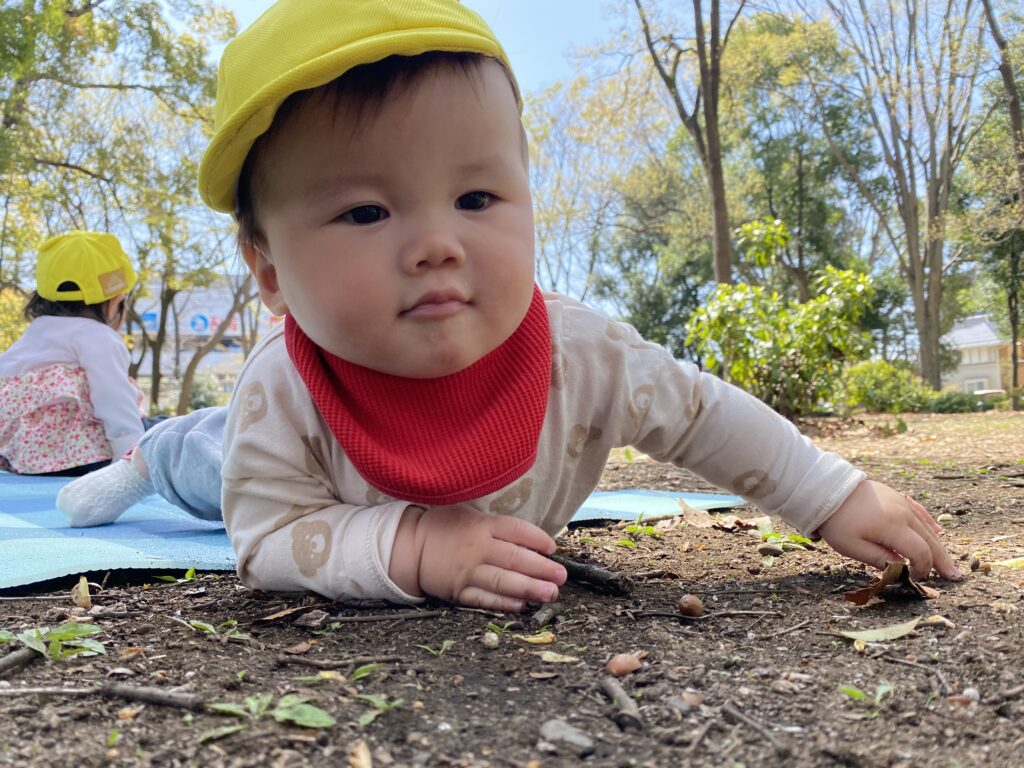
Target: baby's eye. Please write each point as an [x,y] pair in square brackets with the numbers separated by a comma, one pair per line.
[364,214]
[474,201]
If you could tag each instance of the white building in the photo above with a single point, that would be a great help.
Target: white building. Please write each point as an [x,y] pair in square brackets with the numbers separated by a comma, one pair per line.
[979,345]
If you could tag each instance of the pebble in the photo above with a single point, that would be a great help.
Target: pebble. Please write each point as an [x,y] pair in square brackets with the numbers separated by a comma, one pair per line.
[945,517]
[490,640]
[560,732]
[770,550]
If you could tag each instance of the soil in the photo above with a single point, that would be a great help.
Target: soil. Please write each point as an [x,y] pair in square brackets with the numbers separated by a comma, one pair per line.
[763,679]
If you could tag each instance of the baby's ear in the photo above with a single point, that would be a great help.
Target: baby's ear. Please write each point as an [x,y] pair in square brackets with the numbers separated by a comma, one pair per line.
[266,277]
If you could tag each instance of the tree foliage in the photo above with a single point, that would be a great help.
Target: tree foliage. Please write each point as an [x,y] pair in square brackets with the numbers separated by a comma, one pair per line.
[790,355]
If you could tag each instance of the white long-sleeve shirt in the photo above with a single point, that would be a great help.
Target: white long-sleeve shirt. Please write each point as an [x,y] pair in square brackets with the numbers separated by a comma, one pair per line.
[99,351]
[301,517]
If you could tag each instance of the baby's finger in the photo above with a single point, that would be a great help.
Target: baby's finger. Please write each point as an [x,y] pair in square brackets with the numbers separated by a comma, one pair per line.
[518,531]
[512,557]
[923,515]
[474,597]
[915,547]
[868,552]
[500,581]
[941,559]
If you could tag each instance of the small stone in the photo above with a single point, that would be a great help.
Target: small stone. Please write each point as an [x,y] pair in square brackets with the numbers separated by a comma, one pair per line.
[770,550]
[490,640]
[945,517]
[559,732]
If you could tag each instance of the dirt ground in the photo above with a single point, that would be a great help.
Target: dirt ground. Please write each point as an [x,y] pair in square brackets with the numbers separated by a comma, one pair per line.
[763,679]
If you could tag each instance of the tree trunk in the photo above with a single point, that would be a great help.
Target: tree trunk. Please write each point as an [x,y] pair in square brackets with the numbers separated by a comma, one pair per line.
[710,47]
[243,294]
[1013,107]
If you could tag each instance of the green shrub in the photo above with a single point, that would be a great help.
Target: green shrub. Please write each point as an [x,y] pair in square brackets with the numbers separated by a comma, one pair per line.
[789,355]
[881,387]
[956,401]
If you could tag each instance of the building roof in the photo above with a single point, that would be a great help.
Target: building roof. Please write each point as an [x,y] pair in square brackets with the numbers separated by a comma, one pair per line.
[973,331]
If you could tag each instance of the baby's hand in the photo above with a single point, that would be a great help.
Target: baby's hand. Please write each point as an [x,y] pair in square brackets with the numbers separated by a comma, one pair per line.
[487,561]
[878,525]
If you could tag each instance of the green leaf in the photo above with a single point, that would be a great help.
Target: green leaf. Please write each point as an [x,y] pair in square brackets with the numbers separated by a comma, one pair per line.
[364,671]
[190,574]
[6,637]
[853,693]
[368,717]
[171,579]
[220,733]
[258,705]
[34,639]
[305,715]
[72,630]
[202,626]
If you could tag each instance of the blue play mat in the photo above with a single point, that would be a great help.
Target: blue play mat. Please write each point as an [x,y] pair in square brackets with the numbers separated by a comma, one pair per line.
[36,543]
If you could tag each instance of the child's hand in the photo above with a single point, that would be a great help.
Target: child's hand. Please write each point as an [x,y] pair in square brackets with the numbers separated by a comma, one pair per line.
[878,525]
[487,561]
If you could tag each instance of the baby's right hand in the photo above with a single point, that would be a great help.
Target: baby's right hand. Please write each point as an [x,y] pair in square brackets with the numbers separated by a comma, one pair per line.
[486,561]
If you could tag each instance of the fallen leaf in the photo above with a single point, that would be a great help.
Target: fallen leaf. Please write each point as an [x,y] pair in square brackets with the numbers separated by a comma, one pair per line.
[894,573]
[359,755]
[936,619]
[330,675]
[543,675]
[541,638]
[882,633]
[555,658]
[80,594]
[299,648]
[284,613]
[623,663]
[1017,562]
[131,652]
[129,713]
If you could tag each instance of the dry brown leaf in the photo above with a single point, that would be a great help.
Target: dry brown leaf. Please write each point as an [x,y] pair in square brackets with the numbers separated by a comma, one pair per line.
[284,613]
[299,648]
[359,755]
[80,594]
[894,573]
[131,652]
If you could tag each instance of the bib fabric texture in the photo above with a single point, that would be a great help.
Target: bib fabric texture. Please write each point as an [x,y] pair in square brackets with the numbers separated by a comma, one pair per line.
[436,441]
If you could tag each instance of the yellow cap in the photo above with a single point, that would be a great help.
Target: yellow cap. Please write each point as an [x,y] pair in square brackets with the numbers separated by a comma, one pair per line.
[301,44]
[94,261]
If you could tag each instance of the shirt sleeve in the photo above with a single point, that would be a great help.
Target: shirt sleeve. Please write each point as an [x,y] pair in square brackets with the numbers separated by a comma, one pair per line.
[104,358]
[732,439]
[288,528]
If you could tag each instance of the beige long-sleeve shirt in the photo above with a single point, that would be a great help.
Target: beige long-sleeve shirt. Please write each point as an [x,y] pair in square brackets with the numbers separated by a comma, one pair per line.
[301,517]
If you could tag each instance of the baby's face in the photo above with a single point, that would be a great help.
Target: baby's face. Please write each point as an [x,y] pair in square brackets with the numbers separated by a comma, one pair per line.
[403,243]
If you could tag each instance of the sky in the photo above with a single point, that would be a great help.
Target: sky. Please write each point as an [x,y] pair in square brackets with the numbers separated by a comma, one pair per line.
[537,35]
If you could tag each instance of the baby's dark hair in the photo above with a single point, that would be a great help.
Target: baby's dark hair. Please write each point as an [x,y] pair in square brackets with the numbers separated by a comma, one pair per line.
[366,87]
[37,306]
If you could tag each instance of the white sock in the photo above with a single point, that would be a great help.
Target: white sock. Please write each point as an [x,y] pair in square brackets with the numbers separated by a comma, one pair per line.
[102,496]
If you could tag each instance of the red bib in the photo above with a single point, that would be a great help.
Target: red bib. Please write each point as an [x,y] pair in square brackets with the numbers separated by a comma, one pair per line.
[436,441]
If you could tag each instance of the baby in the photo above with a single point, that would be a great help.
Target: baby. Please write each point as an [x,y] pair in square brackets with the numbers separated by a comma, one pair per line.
[426,418]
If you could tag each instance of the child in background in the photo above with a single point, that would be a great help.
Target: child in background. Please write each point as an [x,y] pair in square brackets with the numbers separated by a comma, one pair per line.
[67,406]
[426,419]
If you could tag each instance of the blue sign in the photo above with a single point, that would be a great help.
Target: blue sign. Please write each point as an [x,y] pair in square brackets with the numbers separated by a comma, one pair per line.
[149,321]
[199,323]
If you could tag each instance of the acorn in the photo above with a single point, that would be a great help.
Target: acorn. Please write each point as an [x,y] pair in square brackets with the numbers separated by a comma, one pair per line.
[690,605]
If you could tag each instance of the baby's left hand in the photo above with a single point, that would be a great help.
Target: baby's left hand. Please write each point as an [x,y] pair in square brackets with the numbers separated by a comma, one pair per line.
[878,525]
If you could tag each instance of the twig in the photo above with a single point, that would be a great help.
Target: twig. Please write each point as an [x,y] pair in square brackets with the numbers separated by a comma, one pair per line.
[596,576]
[398,616]
[699,737]
[628,715]
[65,598]
[546,614]
[666,615]
[1009,693]
[944,687]
[158,696]
[337,664]
[737,715]
[16,660]
[786,631]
